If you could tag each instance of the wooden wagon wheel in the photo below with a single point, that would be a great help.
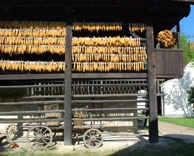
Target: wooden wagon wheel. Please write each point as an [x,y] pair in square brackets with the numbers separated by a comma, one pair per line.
[93,138]
[39,136]
[12,130]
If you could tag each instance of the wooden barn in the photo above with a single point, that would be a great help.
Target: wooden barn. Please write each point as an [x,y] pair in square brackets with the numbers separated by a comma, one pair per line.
[86,62]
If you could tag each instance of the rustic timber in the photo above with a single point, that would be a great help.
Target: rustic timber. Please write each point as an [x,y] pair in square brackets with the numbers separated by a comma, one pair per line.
[109,109]
[110,95]
[32,86]
[31,102]
[107,101]
[12,120]
[153,112]
[110,119]
[167,66]
[68,82]
[31,112]
[178,36]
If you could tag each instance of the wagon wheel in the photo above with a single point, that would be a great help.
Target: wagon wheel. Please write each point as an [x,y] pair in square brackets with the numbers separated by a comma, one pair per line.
[12,130]
[93,138]
[39,136]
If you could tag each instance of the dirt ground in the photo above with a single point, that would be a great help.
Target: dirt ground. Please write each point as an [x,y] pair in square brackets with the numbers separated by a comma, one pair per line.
[117,141]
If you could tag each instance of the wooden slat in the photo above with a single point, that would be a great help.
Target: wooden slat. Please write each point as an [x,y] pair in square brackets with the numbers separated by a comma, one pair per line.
[107,101]
[30,102]
[110,95]
[110,119]
[31,112]
[109,109]
[28,120]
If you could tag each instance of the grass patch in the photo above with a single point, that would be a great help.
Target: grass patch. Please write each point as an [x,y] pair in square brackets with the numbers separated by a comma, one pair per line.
[187,122]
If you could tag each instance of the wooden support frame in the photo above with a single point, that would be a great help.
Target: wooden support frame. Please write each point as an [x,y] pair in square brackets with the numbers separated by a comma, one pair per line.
[68,82]
[178,36]
[153,110]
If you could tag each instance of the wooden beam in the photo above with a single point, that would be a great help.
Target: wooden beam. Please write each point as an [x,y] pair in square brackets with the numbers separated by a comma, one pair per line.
[108,75]
[178,36]
[153,110]
[68,82]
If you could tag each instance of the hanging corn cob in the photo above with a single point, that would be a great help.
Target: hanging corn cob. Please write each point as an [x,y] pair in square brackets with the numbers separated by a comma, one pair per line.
[32,66]
[108,66]
[137,27]
[167,39]
[102,26]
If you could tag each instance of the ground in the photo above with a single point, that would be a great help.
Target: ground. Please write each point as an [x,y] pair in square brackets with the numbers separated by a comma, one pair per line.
[122,144]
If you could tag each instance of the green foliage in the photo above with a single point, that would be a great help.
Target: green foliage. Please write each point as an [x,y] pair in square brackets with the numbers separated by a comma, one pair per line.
[187,122]
[191,95]
[188,53]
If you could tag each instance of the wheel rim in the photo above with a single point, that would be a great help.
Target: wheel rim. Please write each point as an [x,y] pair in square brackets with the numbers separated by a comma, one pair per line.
[12,131]
[93,138]
[39,136]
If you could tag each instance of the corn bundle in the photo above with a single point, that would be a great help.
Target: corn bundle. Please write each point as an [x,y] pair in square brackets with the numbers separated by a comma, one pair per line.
[32,37]
[32,66]
[137,27]
[37,25]
[31,49]
[107,50]
[106,41]
[32,41]
[102,26]
[108,57]
[108,66]
[33,32]
[167,39]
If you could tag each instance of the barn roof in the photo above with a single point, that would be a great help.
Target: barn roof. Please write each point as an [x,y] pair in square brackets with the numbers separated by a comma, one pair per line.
[165,13]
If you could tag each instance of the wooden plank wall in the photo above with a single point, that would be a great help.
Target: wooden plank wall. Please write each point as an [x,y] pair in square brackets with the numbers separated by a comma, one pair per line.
[169,63]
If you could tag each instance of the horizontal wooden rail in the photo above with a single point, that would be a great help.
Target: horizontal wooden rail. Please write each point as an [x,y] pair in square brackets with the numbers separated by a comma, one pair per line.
[112,85]
[31,112]
[44,96]
[32,86]
[30,102]
[109,109]
[109,119]
[109,95]
[74,119]
[28,120]
[107,101]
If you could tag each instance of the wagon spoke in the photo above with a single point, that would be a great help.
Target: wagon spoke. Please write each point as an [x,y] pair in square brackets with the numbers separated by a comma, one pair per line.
[44,131]
[44,141]
[46,138]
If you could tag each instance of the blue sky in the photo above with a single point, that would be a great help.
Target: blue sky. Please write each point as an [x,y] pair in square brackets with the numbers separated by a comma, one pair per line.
[187,24]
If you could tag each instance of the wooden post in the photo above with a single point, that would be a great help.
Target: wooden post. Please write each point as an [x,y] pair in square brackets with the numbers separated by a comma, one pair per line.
[68,84]
[178,36]
[153,110]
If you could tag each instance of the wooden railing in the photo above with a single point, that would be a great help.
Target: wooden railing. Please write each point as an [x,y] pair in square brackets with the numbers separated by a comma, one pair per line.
[169,63]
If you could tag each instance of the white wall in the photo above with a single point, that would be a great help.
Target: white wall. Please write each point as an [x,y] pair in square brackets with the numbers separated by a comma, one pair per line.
[175,100]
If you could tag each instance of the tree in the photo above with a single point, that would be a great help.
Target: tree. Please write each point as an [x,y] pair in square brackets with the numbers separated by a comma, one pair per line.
[191,95]
[188,52]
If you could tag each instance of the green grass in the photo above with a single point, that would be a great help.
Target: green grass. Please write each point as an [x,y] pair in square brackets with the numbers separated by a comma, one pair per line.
[187,122]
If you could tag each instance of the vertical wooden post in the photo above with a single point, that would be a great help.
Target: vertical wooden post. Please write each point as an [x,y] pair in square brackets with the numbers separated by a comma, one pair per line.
[68,84]
[178,36]
[153,110]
